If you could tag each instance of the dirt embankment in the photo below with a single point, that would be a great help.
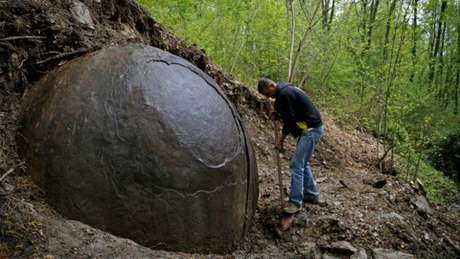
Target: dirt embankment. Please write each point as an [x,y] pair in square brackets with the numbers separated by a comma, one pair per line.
[365,210]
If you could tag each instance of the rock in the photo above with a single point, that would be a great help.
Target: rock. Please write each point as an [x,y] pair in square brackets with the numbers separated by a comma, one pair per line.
[321,179]
[421,187]
[340,247]
[379,184]
[302,220]
[454,207]
[422,206]
[426,235]
[329,224]
[6,188]
[328,220]
[309,250]
[376,183]
[82,15]
[360,254]
[147,147]
[329,256]
[380,253]
[391,216]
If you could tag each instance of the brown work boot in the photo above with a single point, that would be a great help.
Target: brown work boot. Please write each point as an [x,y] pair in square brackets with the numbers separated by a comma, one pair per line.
[291,208]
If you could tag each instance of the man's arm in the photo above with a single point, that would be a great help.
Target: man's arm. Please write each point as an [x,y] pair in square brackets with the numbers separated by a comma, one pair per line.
[280,144]
[287,112]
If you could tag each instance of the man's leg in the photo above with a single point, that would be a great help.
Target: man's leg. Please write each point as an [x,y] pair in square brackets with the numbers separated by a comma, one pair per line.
[311,190]
[298,164]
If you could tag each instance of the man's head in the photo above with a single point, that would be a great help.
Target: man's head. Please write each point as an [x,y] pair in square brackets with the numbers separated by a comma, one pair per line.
[267,87]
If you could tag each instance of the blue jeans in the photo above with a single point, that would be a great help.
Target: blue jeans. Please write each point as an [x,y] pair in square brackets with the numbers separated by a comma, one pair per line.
[302,179]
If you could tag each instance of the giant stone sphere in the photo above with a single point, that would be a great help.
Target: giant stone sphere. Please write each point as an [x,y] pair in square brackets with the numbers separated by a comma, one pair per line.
[141,143]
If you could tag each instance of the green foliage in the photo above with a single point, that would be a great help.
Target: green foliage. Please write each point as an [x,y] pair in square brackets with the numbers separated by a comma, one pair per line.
[380,71]
[439,188]
[246,38]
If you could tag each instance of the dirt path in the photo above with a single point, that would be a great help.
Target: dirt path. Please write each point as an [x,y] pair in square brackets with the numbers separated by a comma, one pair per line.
[359,209]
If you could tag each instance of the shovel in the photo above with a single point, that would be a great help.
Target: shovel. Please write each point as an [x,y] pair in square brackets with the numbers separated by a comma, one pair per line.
[286,218]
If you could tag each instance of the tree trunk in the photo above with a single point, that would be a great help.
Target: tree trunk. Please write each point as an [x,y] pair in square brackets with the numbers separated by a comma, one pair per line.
[331,14]
[364,20]
[457,92]
[440,67]
[391,75]
[372,16]
[437,41]
[414,39]
[458,68]
[312,22]
[387,30]
[325,13]
[290,8]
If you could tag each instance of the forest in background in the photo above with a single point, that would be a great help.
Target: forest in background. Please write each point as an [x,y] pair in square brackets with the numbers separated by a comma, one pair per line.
[390,67]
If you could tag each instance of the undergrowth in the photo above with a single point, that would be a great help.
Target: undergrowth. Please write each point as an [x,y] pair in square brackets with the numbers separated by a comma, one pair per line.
[439,187]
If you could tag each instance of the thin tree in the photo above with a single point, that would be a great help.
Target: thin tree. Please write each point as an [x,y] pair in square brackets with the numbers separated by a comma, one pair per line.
[458,66]
[393,68]
[414,39]
[290,12]
[372,15]
[437,40]
[387,29]
[327,12]
[311,22]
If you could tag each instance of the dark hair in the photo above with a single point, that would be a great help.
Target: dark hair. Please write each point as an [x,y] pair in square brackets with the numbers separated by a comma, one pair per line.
[263,84]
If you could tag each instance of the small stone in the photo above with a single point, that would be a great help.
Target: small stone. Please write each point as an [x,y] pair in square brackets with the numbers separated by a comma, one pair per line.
[302,220]
[309,250]
[81,13]
[379,184]
[426,236]
[380,253]
[340,247]
[360,254]
[6,188]
[328,220]
[422,206]
[329,256]
[391,216]
[321,179]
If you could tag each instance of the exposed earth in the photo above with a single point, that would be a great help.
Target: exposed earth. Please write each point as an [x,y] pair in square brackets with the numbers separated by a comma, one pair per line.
[367,214]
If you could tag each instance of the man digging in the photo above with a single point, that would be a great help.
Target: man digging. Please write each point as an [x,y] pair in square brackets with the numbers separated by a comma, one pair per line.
[302,120]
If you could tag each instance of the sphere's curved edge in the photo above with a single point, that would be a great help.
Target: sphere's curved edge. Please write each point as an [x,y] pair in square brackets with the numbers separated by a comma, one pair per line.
[228,196]
[235,116]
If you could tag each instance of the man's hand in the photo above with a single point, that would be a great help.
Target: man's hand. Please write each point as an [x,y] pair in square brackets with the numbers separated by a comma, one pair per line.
[280,145]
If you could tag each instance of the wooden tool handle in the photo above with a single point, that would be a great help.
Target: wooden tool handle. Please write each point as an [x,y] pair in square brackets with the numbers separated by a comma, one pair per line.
[278,164]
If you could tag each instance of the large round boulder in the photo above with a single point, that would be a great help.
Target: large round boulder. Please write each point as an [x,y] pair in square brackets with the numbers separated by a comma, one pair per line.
[141,143]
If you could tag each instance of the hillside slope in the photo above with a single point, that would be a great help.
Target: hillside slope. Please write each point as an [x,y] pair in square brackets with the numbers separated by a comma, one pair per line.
[392,216]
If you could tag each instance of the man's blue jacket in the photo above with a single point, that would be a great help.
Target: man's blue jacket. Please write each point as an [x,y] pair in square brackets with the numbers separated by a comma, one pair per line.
[296,109]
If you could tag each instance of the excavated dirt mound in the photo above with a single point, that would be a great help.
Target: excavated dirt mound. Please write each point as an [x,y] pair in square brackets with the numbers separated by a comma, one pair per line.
[366,213]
